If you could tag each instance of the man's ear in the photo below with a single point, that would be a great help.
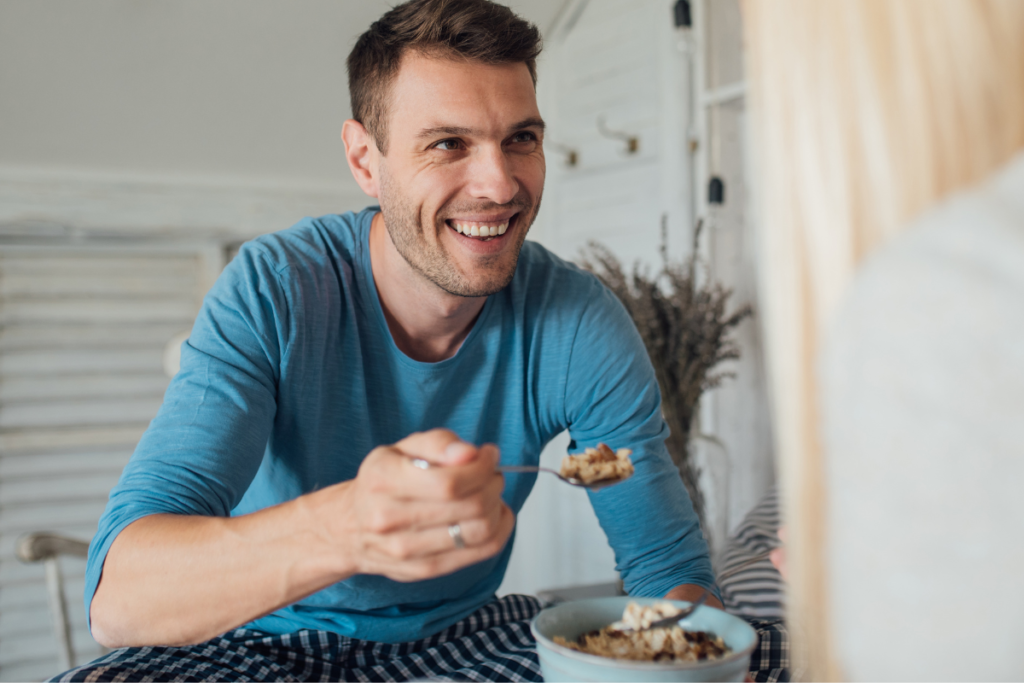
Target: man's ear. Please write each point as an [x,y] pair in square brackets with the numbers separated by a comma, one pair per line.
[361,154]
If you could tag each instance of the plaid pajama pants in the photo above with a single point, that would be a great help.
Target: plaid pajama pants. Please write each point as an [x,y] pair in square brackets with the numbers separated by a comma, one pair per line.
[492,644]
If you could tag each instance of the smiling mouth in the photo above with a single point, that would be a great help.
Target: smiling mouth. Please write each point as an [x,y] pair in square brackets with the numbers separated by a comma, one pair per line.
[480,230]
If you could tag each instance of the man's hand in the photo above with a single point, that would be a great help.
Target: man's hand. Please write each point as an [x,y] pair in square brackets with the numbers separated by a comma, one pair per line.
[778,555]
[690,592]
[393,519]
[181,579]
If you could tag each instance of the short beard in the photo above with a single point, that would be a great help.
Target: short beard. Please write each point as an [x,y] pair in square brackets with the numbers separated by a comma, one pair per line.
[432,261]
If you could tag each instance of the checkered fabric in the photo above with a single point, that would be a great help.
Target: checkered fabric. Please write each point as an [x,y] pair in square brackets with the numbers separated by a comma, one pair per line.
[492,644]
[770,659]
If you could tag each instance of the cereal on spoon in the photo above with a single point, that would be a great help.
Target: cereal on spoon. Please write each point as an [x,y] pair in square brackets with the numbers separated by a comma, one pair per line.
[598,464]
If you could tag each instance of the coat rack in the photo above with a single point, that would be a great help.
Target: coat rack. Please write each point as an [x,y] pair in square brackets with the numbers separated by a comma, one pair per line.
[570,155]
[632,141]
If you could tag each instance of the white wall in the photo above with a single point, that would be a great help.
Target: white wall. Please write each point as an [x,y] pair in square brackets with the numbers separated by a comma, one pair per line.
[624,60]
[738,411]
[246,90]
[229,89]
[112,107]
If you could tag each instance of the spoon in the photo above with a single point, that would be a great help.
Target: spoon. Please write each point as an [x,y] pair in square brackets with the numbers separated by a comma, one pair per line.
[571,481]
[667,622]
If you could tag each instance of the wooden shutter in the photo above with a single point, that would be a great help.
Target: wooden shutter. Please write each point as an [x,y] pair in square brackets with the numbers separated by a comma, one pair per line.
[82,333]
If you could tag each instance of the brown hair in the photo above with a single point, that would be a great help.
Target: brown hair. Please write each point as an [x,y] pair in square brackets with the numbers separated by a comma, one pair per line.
[478,30]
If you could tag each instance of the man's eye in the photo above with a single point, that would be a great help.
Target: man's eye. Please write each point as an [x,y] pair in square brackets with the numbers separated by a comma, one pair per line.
[524,136]
[448,145]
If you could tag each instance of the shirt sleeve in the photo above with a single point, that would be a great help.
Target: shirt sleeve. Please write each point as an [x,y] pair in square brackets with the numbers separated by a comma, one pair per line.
[922,403]
[612,396]
[205,445]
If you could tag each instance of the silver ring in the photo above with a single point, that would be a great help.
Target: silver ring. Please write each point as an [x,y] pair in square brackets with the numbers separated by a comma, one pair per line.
[455,531]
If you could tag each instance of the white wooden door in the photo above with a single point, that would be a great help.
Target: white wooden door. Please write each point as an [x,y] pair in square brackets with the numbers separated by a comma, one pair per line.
[615,68]
[82,332]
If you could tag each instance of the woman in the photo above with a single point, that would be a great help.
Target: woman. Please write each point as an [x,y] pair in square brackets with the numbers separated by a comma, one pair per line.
[889,172]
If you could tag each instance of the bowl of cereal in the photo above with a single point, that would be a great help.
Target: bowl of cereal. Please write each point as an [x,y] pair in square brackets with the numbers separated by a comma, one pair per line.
[590,640]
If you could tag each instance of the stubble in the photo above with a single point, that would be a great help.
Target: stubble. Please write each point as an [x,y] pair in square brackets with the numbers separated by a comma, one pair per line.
[432,261]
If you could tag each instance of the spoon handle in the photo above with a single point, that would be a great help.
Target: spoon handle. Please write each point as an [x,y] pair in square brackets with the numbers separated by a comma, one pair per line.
[523,468]
[424,465]
[676,618]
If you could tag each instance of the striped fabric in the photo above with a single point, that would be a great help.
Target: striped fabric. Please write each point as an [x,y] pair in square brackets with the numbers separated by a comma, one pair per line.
[492,644]
[757,591]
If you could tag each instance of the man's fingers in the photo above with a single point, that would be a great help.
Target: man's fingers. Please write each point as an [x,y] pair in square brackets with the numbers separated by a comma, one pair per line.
[483,504]
[407,546]
[396,474]
[438,447]
[452,559]
[406,511]
[413,515]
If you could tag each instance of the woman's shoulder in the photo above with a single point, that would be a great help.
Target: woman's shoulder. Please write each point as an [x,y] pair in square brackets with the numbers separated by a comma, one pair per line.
[966,253]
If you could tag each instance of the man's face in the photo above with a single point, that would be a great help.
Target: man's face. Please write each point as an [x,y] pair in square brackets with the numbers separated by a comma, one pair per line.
[464,172]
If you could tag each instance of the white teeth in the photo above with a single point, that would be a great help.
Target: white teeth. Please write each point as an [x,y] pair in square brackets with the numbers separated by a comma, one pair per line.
[485,231]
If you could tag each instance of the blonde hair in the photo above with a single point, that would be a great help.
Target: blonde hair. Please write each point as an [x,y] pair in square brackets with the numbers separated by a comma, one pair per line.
[864,113]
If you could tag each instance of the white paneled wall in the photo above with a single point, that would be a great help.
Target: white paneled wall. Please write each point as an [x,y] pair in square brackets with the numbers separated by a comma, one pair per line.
[625,61]
[82,332]
[617,60]
[617,64]
[738,413]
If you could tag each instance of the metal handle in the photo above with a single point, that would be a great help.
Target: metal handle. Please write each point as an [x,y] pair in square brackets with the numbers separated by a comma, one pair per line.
[523,468]
[424,465]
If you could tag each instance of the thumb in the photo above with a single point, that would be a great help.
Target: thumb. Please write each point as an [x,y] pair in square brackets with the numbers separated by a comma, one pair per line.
[438,447]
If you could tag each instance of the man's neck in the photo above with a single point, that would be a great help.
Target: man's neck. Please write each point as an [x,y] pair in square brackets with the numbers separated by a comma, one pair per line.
[427,323]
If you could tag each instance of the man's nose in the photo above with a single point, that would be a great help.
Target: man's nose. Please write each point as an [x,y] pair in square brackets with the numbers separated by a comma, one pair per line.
[491,176]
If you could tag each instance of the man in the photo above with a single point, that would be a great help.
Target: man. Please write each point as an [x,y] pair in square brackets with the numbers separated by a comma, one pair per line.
[277,488]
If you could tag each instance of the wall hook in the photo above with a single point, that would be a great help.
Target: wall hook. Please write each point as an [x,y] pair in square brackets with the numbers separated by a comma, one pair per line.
[632,141]
[570,155]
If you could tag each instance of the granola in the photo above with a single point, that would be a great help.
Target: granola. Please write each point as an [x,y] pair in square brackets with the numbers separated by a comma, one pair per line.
[598,464]
[621,641]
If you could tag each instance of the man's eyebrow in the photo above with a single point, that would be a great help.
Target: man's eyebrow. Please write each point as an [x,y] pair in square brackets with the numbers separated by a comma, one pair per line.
[444,130]
[532,122]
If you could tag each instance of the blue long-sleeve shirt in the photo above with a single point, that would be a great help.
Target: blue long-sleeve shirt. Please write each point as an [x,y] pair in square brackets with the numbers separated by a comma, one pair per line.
[291,377]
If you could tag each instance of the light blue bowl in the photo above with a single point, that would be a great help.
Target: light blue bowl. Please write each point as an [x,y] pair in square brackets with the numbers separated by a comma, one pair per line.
[572,619]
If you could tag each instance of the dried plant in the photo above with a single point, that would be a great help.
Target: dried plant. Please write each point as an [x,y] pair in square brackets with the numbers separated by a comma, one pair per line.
[687,332]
